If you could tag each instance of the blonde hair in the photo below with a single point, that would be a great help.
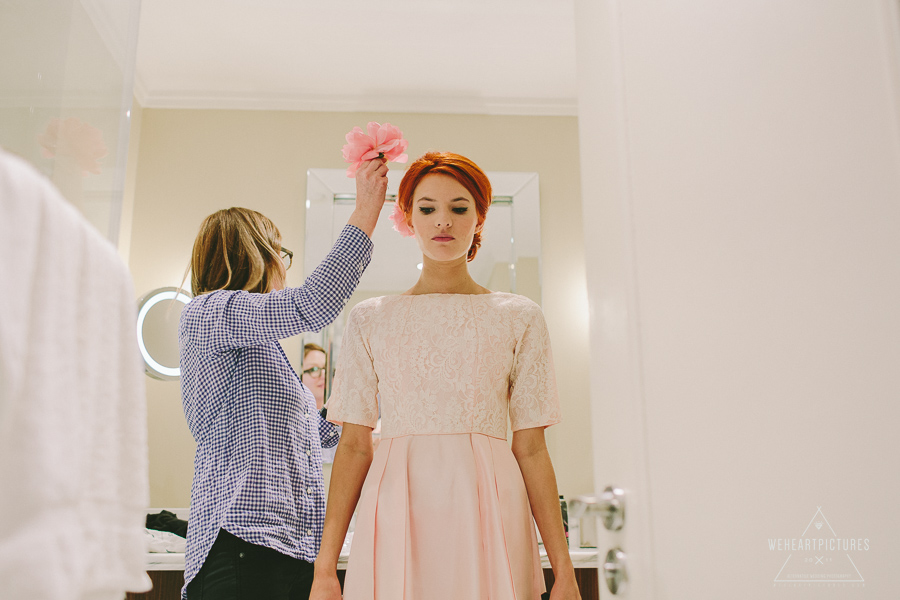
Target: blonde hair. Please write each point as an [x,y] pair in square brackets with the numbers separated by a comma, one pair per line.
[236,249]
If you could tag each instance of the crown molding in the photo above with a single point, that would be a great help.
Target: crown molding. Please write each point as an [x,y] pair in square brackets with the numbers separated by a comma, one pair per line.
[356,103]
[140,90]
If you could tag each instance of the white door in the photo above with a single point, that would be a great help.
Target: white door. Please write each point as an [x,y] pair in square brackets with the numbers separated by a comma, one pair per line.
[741,185]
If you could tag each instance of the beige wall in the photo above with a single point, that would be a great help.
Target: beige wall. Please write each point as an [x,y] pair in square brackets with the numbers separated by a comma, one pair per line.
[193,162]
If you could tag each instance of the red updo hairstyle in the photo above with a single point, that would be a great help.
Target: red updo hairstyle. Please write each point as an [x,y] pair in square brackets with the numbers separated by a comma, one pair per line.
[460,168]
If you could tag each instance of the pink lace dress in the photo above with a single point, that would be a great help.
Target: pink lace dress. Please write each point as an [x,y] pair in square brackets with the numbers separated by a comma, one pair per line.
[443,511]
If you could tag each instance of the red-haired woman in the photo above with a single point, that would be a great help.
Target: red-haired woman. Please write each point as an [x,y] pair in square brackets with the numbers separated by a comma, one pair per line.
[445,505]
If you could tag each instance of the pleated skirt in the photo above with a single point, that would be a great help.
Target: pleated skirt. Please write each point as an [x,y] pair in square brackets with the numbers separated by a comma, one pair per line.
[444,516]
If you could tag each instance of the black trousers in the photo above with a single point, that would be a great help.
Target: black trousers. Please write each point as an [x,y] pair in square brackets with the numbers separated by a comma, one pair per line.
[239,570]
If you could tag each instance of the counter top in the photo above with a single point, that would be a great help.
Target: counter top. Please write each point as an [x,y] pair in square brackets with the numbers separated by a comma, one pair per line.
[582,558]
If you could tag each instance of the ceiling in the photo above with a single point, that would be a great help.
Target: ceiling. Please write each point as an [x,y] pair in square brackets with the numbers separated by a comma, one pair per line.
[460,56]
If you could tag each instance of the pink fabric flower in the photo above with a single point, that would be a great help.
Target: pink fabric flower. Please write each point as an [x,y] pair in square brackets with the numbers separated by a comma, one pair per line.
[75,140]
[385,141]
[399,219]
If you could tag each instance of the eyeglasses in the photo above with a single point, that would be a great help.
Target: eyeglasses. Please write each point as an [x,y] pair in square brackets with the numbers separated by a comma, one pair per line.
[287,257]
[314,371]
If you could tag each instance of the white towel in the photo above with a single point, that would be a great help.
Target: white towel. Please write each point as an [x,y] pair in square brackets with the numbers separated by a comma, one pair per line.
[159,542]
[73,438]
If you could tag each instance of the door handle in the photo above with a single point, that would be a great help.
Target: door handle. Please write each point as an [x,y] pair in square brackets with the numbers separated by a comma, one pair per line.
[615,572]
[609,506]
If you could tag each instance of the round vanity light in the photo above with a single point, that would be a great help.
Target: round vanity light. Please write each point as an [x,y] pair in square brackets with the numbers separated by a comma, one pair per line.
[157,331]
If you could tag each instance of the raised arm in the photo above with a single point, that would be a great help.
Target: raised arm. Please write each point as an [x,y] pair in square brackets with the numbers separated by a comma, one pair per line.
[227,320]
[371,187]
[224,320]
[530,449]
[351,463]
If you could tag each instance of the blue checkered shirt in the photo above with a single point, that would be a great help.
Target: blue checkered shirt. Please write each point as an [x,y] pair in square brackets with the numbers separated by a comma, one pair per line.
[258,467]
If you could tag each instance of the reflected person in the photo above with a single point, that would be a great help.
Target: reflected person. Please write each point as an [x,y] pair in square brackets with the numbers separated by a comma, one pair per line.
[257,498]
[314,369]
[314,375]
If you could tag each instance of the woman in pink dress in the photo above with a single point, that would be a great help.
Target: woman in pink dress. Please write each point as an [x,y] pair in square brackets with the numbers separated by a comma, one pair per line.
[445,504]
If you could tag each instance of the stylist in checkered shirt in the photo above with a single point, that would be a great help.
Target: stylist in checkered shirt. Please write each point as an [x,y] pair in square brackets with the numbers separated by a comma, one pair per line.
[258,498]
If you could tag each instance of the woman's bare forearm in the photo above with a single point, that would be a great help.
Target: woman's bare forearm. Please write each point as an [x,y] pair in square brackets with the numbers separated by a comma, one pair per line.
[540,483]
[351,464]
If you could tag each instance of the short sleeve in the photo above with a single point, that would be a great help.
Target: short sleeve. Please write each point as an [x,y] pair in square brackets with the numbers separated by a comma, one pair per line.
[354,396]
[533,397]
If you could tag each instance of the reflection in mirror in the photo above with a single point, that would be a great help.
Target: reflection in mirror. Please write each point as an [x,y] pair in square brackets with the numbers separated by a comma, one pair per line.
[157,331]
[508,260]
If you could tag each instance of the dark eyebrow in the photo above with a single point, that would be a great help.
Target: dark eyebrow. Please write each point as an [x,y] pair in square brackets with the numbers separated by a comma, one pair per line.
[427,199]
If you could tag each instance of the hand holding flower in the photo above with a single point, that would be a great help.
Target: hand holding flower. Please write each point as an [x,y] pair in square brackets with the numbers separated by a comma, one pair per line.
[371,188]
[378,145]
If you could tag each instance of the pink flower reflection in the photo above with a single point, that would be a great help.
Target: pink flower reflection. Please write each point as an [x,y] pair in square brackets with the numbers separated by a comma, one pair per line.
[75,140]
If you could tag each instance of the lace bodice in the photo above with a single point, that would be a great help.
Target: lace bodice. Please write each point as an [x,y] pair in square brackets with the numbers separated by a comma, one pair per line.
[446,363]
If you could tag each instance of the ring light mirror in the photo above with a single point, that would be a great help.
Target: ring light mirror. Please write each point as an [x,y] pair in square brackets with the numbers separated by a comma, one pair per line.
[157,331]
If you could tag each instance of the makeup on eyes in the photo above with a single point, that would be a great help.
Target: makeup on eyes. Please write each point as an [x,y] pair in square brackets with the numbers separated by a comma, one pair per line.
[460,210]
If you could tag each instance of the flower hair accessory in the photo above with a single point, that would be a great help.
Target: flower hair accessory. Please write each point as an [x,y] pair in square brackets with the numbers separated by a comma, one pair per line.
[399,219]
[379,141]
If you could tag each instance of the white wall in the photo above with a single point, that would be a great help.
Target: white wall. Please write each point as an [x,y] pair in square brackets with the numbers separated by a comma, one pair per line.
[745,330]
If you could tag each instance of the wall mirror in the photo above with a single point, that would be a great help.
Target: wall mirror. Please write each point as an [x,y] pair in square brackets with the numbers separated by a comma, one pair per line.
[157,331]
[509,259]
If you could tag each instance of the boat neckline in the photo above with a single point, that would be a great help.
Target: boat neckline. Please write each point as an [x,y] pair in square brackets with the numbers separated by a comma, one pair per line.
[492,293]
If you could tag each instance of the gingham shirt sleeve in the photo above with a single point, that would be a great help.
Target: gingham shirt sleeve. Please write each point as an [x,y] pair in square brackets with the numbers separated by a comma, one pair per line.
[241,319]
[329,433]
